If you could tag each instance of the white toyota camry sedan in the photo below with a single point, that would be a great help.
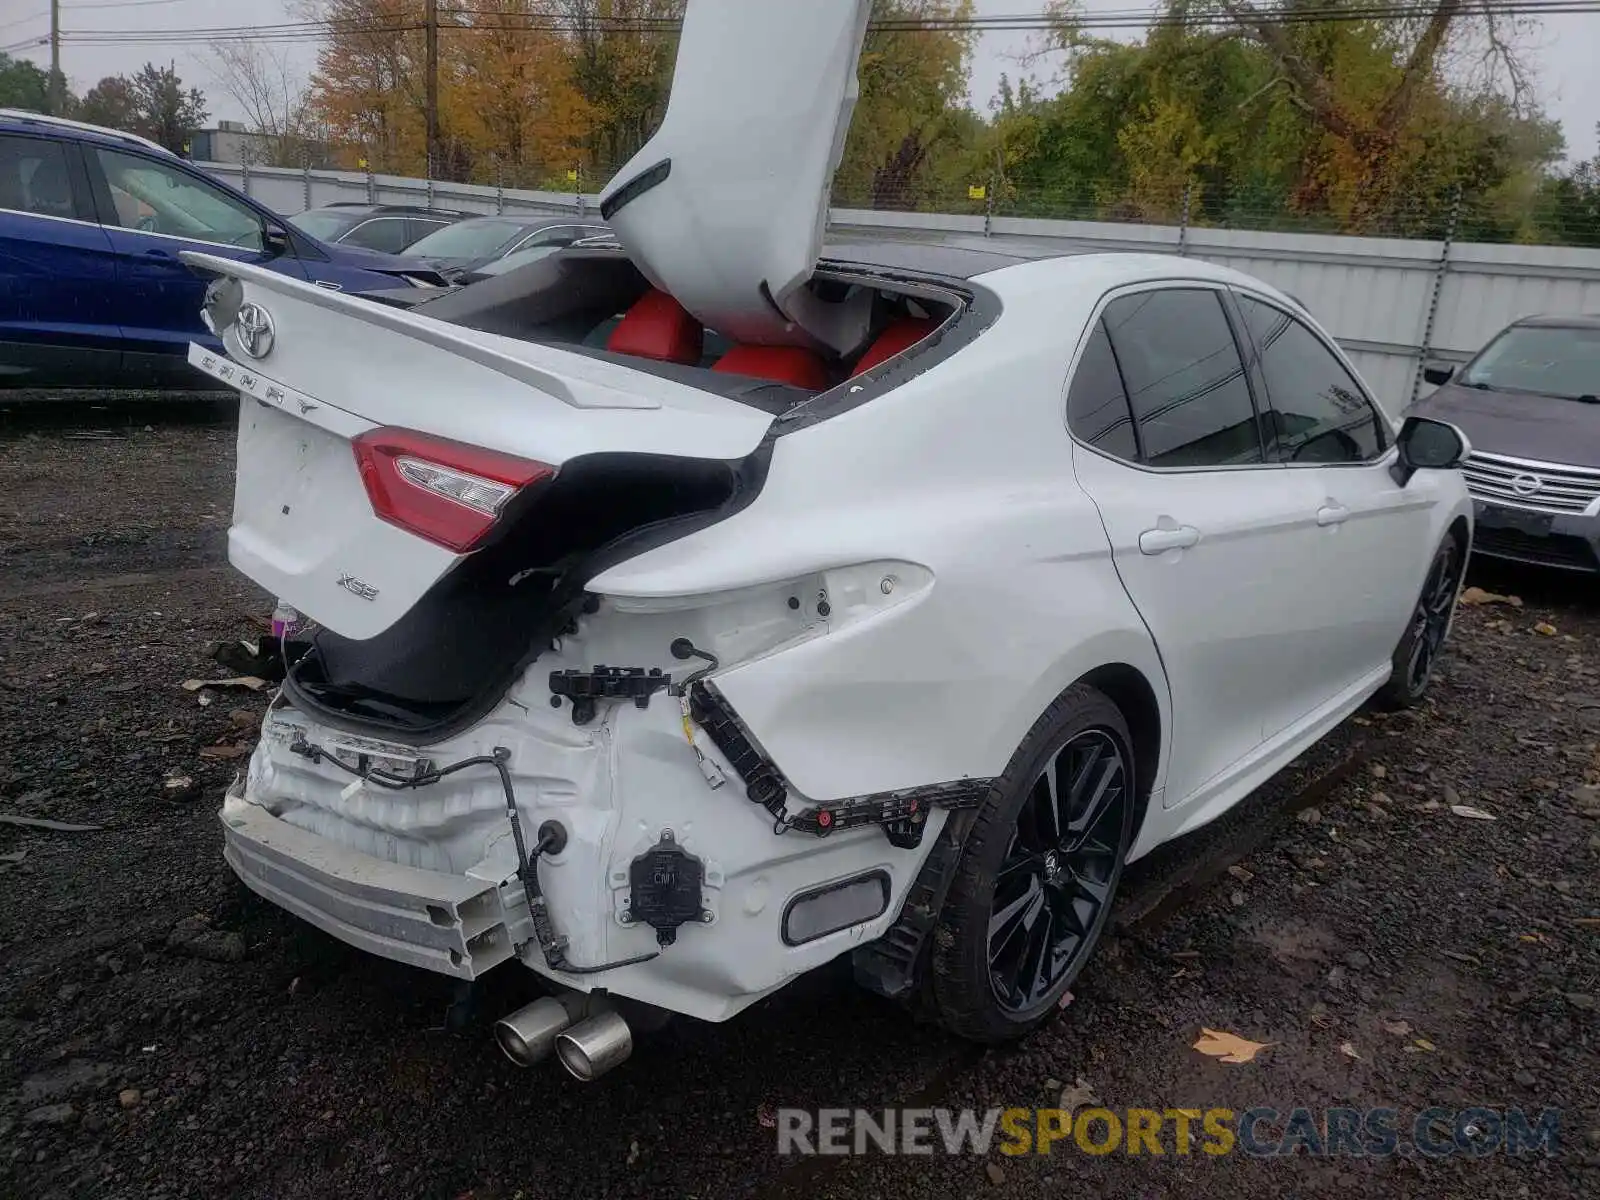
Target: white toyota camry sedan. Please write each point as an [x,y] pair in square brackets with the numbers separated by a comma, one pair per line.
[673,636]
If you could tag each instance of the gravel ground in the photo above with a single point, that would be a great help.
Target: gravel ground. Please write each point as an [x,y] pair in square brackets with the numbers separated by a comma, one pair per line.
[163,1034]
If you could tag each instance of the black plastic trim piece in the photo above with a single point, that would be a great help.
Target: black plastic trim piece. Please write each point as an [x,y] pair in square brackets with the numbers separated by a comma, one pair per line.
[881,876]
[566,599]
[610,683]
[891,965]
[635,187]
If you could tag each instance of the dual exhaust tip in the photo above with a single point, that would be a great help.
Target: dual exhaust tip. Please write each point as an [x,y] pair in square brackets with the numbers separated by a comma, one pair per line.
[586,1045]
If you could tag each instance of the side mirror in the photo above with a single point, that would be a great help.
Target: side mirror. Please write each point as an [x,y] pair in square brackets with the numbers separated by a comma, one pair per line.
[1428,445]
[275,242]
[1438,375]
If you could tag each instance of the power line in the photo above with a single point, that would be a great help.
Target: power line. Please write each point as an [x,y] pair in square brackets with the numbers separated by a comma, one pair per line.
[501,21]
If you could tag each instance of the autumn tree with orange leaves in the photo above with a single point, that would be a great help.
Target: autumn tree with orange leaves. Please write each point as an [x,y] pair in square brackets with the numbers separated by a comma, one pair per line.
[508,109]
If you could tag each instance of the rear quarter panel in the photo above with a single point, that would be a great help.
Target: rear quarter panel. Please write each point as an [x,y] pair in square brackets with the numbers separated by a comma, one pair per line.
[966,470]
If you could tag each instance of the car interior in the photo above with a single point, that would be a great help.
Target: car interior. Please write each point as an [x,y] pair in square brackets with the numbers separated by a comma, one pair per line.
[597,302]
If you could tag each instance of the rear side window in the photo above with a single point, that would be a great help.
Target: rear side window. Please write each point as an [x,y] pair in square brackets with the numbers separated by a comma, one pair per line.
[1097,404]
[1319,414]
[1184,377]
[34,177]
[381,233]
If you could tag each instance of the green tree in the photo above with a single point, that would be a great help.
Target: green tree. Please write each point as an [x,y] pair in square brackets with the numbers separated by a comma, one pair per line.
[111,103]
[153,104]
[23,85]
[912,127]
[167,112]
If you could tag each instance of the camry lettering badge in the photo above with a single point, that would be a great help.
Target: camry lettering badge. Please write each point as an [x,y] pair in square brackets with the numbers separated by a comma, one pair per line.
[356,588]
[255,330]
[1527,485]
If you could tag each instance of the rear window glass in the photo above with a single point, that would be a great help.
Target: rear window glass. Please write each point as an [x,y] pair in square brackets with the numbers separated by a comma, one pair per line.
[1536,358]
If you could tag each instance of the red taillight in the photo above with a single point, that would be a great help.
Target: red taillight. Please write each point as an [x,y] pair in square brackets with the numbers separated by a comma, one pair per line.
[447,492]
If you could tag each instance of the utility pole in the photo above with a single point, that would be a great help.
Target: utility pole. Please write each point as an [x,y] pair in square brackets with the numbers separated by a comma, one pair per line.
[433,85]
[57,101]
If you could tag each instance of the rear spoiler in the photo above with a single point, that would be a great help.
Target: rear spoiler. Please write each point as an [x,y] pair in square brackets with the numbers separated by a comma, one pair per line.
[540,367]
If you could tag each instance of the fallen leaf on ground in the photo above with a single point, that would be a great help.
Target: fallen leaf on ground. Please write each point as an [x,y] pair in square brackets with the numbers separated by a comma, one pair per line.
[1322,1020]
[1066,999]
[1545,628]
[1475,814]
[1538,939]
[1398,1028]
[1348,1050]
[1229,1047]
[1184,954]
[996,1174]
[1424,1044]
[1476,595]
[41,823]
[1586,922]
[224,751]
[251,682]
[1460,957]
[1079,1095]
[1242,875]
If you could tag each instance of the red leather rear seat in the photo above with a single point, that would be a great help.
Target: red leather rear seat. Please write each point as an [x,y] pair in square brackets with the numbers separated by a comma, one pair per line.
[781,364]
[658,327]
[901,334]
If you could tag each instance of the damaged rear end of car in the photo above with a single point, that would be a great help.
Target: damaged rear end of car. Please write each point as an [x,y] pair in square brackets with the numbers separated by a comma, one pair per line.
[478,754]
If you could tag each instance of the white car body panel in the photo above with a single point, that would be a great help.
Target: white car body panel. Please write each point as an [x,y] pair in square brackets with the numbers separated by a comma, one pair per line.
[302,526]
[754,130]
[975,560]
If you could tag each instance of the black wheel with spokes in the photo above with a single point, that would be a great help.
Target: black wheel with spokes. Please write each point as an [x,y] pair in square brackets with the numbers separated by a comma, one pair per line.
[1038,872]
[1423,641]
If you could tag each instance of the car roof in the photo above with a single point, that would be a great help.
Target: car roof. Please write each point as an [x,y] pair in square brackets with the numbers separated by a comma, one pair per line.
[953,258]
[363,209]
[1561,321]
[539,220]
[15,120]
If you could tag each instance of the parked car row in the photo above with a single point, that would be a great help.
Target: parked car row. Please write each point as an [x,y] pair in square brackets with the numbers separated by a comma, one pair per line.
[92,221]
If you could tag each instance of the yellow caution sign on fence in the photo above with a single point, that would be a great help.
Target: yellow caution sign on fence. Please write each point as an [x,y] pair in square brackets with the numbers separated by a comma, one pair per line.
[978,192]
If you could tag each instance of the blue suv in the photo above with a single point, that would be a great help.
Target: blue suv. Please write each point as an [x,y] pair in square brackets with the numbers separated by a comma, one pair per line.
[91,223]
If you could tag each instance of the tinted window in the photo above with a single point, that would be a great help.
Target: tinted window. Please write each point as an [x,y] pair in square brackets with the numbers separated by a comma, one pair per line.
[381,233]
[1097,406]
[1185,380]
[157,197]
[34,177]
[1539,358]
[477,237]
[1318,411]
[421,229]
[324,225]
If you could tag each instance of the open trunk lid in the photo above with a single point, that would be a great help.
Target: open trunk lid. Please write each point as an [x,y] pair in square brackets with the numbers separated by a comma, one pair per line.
[379,433]
[725,207]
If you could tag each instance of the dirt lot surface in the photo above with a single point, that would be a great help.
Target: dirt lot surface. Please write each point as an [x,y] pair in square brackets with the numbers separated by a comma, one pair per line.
[163,1034]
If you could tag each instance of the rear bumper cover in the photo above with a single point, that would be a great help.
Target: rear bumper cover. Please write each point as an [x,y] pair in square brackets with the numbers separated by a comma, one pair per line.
[447,923]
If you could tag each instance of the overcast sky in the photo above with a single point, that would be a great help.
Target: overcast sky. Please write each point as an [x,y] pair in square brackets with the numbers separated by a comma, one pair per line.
[1563,48]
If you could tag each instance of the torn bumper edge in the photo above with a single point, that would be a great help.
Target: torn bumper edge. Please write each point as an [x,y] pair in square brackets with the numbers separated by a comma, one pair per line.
[450,924]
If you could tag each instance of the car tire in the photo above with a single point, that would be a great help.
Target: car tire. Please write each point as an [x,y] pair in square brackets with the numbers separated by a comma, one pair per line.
[1420,646]
[997,970]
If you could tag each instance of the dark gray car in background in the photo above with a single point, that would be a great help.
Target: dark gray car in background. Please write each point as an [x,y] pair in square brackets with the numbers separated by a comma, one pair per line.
[1530,404]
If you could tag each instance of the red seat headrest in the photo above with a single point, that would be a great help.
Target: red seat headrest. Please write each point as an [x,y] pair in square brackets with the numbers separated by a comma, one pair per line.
[781,364]
[901,334]
[658,327]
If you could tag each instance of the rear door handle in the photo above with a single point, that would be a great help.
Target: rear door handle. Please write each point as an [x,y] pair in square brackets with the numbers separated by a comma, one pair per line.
[1156,541]
[1332,514]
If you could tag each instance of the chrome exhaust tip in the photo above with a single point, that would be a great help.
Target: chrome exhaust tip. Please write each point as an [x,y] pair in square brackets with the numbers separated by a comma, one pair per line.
[527,1035]
[594,1045]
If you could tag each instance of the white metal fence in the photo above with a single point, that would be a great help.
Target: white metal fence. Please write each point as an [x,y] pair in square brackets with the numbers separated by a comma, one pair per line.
[1391,302]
